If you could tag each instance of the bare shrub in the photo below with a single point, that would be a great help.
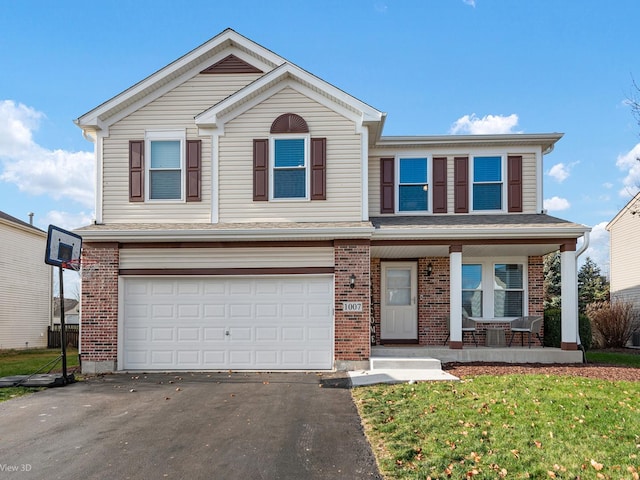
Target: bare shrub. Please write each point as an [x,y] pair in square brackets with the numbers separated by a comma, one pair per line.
[613,322]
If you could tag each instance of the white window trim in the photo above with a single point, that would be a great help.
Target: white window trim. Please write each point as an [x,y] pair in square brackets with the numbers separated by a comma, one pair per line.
[488,287]
[396,187]
[307,162]
[171,135]
[503,172]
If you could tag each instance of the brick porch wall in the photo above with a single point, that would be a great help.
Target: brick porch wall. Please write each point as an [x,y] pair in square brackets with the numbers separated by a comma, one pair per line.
[536,291]
[99,324]
[352,340]
[433,304]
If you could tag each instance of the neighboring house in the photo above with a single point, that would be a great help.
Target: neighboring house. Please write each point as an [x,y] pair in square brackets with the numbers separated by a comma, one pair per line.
[624,262]
[252,216]
[25,285]
[71,311]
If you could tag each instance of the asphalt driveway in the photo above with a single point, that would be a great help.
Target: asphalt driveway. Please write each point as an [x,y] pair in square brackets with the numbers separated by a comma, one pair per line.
[187,426]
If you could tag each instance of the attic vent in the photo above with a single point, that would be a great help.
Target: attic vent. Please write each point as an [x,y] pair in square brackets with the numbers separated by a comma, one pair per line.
[289,123]
[231,64]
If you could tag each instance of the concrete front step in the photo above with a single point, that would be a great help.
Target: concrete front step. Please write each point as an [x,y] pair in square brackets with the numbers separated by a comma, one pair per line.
[408,363]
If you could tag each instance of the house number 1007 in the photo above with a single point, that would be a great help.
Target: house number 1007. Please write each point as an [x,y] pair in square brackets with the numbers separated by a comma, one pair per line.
[351,306]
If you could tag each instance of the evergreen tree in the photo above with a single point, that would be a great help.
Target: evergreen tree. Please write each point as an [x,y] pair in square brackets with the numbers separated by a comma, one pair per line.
[592,285]
[551,285]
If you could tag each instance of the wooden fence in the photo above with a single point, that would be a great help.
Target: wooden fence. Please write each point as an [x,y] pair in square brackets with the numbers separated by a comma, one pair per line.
[72,332]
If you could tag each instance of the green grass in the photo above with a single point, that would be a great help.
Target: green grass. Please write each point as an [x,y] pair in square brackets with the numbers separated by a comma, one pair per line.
[614,358]
[514,426]
[26,362]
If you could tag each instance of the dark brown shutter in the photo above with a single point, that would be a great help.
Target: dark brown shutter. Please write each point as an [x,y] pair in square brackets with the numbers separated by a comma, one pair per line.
[514,185]
[461,184]
[260,170]
[439,185]
[387,187]
[136,170]
[318,169]
[194,169]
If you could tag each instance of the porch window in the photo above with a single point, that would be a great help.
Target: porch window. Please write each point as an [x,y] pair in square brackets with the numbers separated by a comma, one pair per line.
[508,293]
[413,187]
[472,289]
[487,183]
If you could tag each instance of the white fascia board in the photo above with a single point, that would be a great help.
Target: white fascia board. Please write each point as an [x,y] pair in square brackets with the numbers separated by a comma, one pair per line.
[244,49]
[30,229]
[231,235]
[327,94]
[510,140]
[479,234]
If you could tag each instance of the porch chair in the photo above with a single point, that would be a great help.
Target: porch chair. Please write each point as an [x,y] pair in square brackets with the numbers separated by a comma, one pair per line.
[468,325]
[529,324]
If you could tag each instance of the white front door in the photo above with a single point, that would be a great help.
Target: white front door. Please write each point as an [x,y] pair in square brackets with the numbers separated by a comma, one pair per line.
[399,308]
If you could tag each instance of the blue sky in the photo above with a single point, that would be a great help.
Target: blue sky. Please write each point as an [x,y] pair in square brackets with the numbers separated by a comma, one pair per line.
[435,67]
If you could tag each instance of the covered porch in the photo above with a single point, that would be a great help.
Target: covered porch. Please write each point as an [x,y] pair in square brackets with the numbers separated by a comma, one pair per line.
[428,273]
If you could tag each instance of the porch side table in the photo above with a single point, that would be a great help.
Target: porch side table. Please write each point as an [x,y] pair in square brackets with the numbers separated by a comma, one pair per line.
[495,337]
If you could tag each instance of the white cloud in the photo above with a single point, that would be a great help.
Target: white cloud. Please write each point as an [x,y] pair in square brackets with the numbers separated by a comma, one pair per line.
[489,124]
[607,185]
[598,249]
[66,220]
[35,169]
[630,163]
[555,204]
[559,172]
[380,7]
[470,2]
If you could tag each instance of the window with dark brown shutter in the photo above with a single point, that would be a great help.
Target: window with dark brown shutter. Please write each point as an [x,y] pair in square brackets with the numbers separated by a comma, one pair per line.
[439,192]
[194,168]
[514,175]
[136,171]
[387,190]
[318,169]
[461,184]
[260,170]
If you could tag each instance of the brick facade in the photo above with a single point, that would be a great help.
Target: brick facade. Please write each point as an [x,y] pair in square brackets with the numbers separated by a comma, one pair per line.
[99,332]
[352,339]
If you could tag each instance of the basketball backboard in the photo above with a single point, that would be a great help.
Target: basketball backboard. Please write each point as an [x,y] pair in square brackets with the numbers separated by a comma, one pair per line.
[62,247]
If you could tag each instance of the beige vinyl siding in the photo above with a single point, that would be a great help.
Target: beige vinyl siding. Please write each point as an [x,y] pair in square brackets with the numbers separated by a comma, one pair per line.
[625,261]
[26,294]
[343,185]
[529,184]
[274,257]
[174,110]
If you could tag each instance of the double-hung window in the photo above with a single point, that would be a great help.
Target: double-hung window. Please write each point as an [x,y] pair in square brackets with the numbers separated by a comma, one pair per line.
[472,289]
[413,185]
[508,294]
[494,290]
[165,168]
[289,174]
[488,183]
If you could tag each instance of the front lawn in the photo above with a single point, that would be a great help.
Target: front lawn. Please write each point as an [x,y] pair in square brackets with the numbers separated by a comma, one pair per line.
[512,426]
[26,362]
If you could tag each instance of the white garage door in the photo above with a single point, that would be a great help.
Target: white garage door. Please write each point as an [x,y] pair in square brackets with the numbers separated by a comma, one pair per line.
[257,323]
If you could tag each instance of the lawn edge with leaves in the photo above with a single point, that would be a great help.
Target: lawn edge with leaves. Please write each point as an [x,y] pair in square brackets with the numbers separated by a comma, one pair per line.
[513,426]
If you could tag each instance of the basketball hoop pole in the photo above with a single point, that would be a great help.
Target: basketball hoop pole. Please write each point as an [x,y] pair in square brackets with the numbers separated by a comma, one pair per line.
[63,336]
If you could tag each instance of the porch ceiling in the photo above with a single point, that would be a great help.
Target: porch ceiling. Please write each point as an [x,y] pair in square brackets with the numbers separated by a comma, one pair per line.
[496,250]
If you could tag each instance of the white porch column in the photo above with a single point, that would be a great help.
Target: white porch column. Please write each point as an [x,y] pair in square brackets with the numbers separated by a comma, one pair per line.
[455,296]
[569,292]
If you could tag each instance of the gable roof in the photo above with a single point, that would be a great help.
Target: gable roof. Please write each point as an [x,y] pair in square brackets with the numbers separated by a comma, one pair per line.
[228,49]
[187,66]
[290,75]
[629,207]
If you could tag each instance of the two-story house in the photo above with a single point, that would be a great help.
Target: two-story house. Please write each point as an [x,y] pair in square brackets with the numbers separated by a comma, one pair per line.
[252,216]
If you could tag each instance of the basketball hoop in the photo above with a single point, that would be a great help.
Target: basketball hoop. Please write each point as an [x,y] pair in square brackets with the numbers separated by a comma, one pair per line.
[73,264]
